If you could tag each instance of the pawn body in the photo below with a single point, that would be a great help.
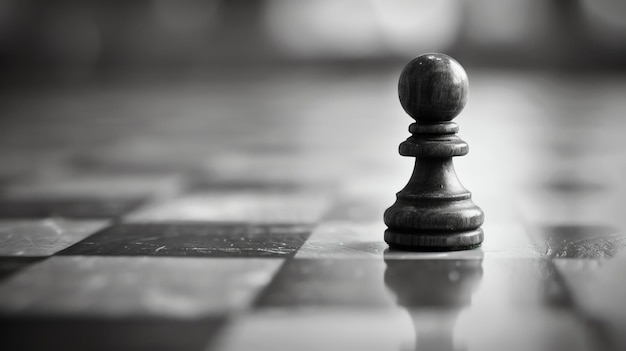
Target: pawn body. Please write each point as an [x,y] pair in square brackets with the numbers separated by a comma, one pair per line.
[433,211]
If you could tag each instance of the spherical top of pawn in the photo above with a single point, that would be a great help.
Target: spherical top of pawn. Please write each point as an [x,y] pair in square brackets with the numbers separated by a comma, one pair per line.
[433,88]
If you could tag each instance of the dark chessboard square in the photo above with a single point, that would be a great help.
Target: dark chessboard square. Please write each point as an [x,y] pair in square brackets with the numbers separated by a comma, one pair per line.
[68,208]
[80,333]
[195,239]
[329,282]
[582,241]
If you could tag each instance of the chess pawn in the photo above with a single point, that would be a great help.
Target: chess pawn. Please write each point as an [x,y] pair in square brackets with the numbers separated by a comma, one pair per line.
[433,211]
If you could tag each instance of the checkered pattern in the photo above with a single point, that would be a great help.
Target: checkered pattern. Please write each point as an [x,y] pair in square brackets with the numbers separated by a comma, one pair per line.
[118,283]
[220,231]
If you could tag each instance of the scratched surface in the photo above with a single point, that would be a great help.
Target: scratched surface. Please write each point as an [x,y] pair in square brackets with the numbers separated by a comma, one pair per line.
[245,212]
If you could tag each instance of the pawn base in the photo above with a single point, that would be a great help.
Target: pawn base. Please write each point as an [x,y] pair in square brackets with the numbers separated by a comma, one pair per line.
[434,241]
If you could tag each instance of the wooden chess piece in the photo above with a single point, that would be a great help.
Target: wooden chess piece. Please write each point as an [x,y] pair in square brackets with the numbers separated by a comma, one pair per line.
[434,211]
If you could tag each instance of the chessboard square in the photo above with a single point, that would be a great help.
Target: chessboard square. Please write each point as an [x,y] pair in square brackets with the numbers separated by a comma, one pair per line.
[135,286]
[318,329]
[331,240]
[518,282]
[66,207]
[238,206]
[71,333]
[341,283]
[43,237]
[534,328]
[195,239]
[580,241]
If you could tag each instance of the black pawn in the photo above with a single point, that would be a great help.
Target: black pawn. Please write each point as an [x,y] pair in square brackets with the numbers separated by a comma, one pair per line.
[433,212]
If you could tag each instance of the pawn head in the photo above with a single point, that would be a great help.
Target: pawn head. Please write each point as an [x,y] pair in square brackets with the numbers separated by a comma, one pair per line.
[433,88]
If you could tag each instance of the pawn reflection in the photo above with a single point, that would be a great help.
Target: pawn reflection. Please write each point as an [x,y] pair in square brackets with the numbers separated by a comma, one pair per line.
[434,292]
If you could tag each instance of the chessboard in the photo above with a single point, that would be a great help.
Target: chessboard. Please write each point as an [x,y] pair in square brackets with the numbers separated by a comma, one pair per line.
[244,212]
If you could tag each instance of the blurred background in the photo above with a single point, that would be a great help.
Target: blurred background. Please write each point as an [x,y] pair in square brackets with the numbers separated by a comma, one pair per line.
[277,90]
[79,39]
